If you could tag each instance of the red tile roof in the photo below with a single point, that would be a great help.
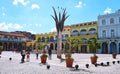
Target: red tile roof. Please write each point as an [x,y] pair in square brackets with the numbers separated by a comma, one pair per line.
[11,34]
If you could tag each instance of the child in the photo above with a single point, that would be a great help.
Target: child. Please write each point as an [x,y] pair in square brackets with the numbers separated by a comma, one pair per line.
[28,56]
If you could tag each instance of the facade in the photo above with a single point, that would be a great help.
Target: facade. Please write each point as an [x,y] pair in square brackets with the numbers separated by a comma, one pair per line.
[109,32]
[84,32]
[51,38]
[12,40]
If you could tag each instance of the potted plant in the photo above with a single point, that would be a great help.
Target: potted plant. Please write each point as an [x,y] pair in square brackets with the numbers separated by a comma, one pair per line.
[43,57]
[69,60]
[94,59]
[44,54]
[94,44]
[114,55]
[1,47]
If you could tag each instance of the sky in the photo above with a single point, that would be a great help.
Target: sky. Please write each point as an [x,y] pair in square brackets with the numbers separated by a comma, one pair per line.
[35,15]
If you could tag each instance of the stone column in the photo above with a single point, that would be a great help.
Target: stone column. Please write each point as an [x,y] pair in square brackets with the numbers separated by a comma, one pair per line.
[109,47]
[88,50]
[117,47]
[79,48]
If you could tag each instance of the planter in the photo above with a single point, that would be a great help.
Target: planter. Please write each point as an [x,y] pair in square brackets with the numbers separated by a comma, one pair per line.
[93,60]
[43,59]
[69,62]
[114,56]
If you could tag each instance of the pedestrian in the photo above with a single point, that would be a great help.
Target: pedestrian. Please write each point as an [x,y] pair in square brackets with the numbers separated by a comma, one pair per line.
[37,54]
[23,56]
[28,56]
[49,52]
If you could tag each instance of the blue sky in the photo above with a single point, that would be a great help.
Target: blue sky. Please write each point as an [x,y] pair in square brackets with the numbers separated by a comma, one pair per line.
[35,15]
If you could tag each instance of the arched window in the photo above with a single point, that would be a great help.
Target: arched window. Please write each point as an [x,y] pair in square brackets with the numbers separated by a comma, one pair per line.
[75,33]
[111,21]
[51,39]
[104,34]
[92,31]
[83,32]
[47,39]
[39,39]
[66,35]
[43,39]
[112,33]
[84,40]
[103,22]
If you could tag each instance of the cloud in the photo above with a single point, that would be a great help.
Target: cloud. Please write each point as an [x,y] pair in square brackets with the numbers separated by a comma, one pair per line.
[15,2]
[38,25]
[107,10]
[3,14]
[35,6]
[33,32]
[53,29]
[80,4]
[5,27]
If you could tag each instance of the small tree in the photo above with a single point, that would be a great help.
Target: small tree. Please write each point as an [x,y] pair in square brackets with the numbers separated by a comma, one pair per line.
[75,43]
[94,44]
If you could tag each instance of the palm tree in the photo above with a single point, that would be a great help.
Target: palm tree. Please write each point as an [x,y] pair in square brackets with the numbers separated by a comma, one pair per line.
[75,43]
[94,44]
[59,21]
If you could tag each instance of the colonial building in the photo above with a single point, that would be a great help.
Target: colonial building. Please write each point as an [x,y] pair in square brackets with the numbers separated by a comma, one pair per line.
[84,32]
[109,32]
[12,40]
[47,37]
[51,38]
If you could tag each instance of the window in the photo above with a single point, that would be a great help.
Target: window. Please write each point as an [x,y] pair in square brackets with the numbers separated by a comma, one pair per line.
[39,39]
[83,32]
[111,21]
[112,34]
[66,35]
[52,38]
[75,33]
[104,34]
[92,31]
[43,39]
[103,22]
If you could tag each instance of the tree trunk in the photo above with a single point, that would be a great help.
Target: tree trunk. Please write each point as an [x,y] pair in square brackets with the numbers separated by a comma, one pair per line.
[59,46]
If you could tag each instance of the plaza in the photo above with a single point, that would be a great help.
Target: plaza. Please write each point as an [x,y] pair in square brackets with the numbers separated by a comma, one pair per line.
[56,67]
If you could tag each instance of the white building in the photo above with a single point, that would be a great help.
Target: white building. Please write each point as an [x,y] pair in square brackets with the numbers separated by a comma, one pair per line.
[109,32]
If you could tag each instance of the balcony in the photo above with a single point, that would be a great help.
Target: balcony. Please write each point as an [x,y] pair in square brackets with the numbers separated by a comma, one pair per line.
[10,40]
[109,38]
[92,33]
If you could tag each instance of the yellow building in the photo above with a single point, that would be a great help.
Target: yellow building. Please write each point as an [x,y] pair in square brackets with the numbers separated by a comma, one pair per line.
[47,37]
[84,32]
[51,38]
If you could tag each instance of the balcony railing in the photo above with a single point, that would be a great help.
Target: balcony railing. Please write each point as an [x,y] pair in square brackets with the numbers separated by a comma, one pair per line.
[10,40]
[102,38]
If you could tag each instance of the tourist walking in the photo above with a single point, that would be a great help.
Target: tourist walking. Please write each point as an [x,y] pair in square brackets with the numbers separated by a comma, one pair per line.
[37,54]
[23,56]
[49,53]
